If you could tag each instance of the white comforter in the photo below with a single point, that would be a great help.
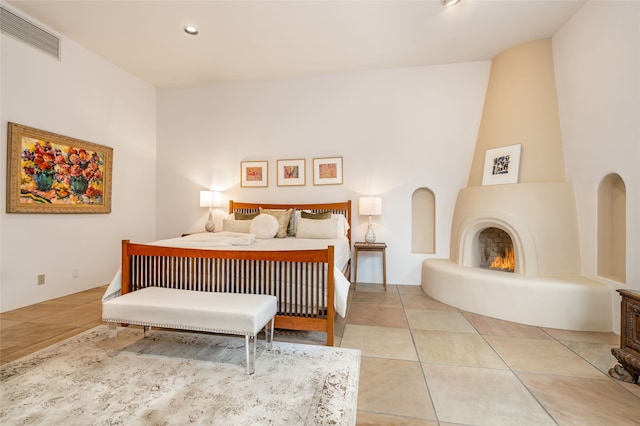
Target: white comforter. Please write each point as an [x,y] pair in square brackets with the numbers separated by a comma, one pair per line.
[240,241]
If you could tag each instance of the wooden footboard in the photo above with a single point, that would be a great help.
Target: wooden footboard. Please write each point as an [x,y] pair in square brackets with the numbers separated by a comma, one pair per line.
[302,280]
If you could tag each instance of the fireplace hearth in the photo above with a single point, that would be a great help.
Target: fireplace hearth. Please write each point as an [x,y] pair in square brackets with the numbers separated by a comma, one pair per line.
[546,260]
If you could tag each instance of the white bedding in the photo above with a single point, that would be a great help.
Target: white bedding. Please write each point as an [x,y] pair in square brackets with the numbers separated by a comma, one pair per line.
[241,241]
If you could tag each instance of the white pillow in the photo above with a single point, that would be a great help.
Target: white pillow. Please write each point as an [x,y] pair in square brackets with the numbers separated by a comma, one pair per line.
[236,225]
[317,228]
[264,226]
[342,225]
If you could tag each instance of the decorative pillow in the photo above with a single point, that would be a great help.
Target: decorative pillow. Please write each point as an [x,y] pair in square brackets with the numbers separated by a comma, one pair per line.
[245,216]
[236,225]
[342,225]
[283,217]
[264,226]
[317,228]
[317,216]
[291,228]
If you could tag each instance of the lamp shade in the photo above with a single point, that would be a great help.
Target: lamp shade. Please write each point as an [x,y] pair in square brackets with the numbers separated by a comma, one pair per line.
[210,198]
[371,206]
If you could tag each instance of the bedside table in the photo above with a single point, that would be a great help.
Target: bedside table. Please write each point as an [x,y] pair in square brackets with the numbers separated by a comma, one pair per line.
[378,247]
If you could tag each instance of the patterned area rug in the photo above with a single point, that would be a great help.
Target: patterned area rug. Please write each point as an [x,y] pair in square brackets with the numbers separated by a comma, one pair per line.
[176,378]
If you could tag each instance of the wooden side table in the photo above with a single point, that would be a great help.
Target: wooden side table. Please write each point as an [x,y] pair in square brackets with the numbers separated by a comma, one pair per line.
[380,247]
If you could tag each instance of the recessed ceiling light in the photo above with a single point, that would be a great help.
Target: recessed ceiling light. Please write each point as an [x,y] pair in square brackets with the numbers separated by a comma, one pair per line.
[447,3]
[191,30]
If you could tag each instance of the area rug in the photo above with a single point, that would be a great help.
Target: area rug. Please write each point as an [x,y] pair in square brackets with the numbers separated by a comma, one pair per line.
[178,378]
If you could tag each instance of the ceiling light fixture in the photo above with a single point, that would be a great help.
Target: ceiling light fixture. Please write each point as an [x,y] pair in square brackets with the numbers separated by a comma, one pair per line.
[447,3]
[191,30]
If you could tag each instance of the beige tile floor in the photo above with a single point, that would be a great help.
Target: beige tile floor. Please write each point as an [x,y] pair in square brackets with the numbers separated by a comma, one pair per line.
[423,362]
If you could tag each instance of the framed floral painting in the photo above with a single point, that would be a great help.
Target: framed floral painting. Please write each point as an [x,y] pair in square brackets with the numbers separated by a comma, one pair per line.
[51,173]
[327,171]
[254,174]
[291,172]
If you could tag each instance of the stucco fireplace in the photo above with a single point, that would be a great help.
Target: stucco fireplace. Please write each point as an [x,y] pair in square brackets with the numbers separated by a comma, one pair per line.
[538,213]
[545,288]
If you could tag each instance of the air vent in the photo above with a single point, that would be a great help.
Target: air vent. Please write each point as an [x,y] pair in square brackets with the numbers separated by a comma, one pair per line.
[23,30]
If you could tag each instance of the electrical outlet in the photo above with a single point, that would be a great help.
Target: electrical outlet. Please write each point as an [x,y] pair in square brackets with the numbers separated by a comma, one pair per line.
[41,279]
[75,272]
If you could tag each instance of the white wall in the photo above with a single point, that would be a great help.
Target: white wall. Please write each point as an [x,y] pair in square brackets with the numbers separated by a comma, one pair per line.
[597,65]
[84,97]
[397,130]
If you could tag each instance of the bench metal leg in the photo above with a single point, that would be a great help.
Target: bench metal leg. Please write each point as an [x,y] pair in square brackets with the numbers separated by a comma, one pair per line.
[112,343]
[250,346]
[268,332]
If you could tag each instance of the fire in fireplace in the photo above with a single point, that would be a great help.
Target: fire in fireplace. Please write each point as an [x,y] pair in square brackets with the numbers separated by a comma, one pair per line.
[496,250]
[504,262]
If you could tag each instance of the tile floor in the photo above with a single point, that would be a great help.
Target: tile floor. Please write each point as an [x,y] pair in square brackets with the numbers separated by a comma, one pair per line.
[423,362]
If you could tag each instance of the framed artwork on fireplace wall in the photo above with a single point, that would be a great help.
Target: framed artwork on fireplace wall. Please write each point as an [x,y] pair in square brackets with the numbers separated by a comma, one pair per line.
[501,165]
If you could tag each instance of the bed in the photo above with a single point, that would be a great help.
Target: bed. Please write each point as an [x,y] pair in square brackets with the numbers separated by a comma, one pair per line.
[306,270]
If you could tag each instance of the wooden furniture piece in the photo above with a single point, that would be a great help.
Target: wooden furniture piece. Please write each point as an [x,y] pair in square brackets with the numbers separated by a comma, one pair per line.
[227,313]
[628,354]
[302,280]
[375,247]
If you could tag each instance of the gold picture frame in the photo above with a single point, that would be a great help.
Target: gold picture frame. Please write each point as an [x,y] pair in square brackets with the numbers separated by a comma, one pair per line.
[291,172]
[327,171]
[254,174]
[51,173]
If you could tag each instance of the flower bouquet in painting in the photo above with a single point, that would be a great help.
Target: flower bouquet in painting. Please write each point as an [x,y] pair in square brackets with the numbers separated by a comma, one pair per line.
[53,173]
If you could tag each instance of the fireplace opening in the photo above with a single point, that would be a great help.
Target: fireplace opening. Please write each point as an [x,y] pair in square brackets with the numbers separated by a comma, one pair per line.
[496,250]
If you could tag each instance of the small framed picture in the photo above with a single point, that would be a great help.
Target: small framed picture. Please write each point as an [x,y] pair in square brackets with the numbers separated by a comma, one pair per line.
[327,171]
[291,172]
[254,174]
[501,165]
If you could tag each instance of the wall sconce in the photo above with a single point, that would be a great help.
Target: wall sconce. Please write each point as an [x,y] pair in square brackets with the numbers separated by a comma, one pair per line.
[371,206]
[210,199]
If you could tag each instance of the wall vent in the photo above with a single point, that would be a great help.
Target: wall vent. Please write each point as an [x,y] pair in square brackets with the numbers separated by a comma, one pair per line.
[25,31]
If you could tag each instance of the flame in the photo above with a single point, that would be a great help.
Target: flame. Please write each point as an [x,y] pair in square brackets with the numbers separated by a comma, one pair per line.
[506,263]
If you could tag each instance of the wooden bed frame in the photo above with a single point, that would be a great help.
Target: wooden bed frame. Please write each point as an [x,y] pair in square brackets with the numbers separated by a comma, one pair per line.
[244,271]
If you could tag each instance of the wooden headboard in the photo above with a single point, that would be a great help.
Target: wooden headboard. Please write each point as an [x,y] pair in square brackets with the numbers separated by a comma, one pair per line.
[343,207]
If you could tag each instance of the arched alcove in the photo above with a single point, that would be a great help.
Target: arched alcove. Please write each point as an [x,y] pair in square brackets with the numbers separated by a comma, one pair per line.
[423,221]
[612,228]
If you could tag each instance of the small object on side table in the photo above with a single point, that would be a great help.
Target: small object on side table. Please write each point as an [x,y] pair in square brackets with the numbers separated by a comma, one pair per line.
[628,354]
[361,246]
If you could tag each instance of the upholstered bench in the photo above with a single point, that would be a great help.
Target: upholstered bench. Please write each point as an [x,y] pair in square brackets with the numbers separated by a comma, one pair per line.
[229,313]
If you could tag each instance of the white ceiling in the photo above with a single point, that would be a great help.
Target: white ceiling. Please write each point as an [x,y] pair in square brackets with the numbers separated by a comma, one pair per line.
[246,40]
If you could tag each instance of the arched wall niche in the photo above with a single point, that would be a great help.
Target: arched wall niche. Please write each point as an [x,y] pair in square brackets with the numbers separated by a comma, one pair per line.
[612,228]
[423,221]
